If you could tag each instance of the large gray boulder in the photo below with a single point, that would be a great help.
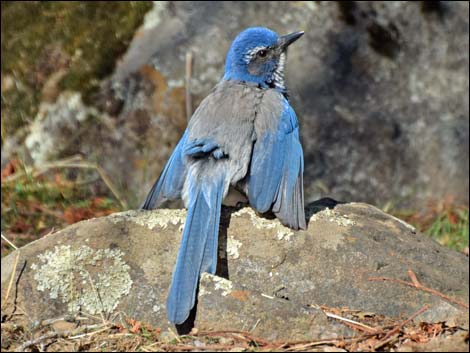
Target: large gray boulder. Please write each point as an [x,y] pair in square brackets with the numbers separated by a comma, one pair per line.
[380,89]
[269,279]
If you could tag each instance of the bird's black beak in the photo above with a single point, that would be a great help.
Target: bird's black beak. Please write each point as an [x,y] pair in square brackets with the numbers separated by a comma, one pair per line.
[288,39]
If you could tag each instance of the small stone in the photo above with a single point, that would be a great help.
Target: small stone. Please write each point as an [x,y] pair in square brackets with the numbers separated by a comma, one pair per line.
[63,326]
[198,343]
[225,341]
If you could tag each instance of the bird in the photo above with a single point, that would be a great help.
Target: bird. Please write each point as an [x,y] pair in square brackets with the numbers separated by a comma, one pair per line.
[243,136]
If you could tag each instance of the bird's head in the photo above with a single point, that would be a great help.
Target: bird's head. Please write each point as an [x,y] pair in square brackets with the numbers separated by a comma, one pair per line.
[258,56]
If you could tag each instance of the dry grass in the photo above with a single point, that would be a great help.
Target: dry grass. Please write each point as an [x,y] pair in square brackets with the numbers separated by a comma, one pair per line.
[87,333]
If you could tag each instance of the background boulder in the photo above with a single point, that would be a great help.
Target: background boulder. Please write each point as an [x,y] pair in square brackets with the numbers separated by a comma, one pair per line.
[380,89]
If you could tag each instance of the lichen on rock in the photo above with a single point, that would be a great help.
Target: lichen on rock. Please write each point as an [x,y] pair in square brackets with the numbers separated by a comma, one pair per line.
[282,232]
[331,215]
[159,218]
[232,247]
[219,283]
[83,278]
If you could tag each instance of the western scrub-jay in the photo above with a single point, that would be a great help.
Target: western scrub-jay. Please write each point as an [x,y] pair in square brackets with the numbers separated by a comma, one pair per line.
[243,135]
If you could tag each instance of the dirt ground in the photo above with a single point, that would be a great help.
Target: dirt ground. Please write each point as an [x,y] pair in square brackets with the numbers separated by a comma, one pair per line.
[371,333]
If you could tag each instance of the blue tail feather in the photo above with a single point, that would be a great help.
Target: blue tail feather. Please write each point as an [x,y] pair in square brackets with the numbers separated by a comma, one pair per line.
[198,249]
[209,262]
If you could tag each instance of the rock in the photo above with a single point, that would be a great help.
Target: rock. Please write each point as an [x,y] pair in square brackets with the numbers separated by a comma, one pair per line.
[380,89]
[270,280]
[226,306]
[56,125]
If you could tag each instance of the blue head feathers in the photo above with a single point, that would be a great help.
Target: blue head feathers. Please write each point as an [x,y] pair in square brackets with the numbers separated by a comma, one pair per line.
[257,55]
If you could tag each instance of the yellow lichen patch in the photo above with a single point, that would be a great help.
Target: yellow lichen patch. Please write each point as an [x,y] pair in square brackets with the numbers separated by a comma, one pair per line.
[331,215]
[282,232]
[85,279]
[158,218]
[232,247]
[222,284]
[219,284]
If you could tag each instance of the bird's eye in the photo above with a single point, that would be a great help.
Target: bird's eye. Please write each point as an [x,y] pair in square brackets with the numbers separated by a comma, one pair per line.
[262,53]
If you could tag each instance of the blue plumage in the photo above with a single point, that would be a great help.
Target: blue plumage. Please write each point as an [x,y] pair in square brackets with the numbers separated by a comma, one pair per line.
[244,135]
[170,183]
[198,249]
[275,181]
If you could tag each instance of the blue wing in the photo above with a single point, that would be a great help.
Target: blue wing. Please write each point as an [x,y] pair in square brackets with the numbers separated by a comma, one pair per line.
[170,183]
[205,147]
[276,172]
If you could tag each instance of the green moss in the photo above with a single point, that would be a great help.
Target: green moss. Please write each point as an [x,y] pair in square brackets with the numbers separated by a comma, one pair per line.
[451,229]
[90,35]
[446,223]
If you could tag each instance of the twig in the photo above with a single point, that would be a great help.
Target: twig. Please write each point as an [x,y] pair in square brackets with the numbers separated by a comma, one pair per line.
[398,327]
[107,327]
[40,170]
[98,297]
[91,316]
[20,308]
[175,335]
[181,347]
[386,341]
[415,284]
[353,341]
[43,209]
[120,335]
[255,325]
[413,278]
[303,346]
[103,175]
[64,334]
[9,242]
[48,322]
[242,335]
[189,66]
[10,284]
[110,185]
[47,336]
[49,233]
[361,326]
